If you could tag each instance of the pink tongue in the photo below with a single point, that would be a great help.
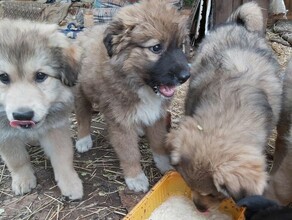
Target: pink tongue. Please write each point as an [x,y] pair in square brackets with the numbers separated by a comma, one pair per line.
[17,123]
[167,91]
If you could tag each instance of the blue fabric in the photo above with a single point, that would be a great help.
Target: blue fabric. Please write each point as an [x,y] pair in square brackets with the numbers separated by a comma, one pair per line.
[72,30]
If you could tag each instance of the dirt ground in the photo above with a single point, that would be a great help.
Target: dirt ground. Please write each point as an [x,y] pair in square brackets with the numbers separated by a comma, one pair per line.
[105,193]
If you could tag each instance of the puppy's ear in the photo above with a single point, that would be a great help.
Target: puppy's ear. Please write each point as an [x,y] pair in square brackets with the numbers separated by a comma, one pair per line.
[228,184]
[240,178]
[112,36]
[71,65]
[180,139]
[68,55]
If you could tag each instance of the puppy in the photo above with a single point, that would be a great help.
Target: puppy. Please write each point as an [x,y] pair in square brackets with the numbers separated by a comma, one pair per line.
[231,107]
[280,185]
[37,68]
[130,69]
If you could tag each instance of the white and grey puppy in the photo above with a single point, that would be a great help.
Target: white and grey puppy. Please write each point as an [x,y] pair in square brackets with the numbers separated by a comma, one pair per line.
[37,68]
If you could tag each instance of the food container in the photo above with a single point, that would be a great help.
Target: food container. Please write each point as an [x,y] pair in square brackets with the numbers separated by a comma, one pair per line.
[172,184]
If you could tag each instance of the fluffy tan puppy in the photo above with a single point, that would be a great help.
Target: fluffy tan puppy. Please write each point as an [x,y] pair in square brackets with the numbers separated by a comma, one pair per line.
[232,105]
[130,70]
[37,68]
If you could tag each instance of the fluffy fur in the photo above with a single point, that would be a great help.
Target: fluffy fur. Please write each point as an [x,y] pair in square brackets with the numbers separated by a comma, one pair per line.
[232,105]
[280,185]
[130,69]
[37,68]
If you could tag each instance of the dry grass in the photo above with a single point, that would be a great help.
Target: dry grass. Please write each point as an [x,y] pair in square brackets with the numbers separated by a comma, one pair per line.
[101,175]
[99,170]
[283,52]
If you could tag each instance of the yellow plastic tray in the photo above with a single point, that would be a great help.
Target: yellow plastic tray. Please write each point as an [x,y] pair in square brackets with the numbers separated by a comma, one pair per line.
[172,184]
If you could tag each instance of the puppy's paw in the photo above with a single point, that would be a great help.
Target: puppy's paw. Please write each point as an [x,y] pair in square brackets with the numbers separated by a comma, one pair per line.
[23,181]
[70,185]
[138,184]
[84,144]
[162,162]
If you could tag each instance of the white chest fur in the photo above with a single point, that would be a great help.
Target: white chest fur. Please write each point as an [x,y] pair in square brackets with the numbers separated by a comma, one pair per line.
[149,109]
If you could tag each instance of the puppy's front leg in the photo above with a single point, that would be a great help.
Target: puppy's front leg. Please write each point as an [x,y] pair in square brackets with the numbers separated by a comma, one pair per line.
[15,156]
[83,109]
[58,146]
[125,142]
[156,135]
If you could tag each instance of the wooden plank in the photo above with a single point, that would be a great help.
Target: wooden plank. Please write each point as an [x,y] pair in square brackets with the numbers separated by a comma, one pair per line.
[288,4]
[264,4]
[222,10]
[236,4]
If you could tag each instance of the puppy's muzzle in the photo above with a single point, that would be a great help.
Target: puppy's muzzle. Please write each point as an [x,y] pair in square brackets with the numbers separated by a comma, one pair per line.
[23,118]
[179,66]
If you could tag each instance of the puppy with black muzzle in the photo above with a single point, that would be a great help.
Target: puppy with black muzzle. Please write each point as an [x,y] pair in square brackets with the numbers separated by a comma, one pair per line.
[37,68]
[233,104]
[130,69]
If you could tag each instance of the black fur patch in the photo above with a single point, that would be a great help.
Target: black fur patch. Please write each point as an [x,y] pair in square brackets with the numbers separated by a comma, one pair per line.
[67,68]
[108,43]
[169,69]
[240,21]
[260,208]
[114,28]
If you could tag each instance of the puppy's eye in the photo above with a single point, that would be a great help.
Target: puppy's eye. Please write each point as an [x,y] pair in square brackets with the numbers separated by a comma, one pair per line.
[157,49]
[4,78]
[40,77]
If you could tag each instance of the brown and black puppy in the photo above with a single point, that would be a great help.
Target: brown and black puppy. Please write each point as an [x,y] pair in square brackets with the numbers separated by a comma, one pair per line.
[38,67]
[232,106]
[130,69]
[280,184]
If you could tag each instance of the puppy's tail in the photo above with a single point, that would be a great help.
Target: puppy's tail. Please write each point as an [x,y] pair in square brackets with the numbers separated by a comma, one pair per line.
[250,16]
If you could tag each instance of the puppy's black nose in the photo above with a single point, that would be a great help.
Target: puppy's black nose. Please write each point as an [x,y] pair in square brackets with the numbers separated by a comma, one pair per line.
[23,114]
[183,76]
